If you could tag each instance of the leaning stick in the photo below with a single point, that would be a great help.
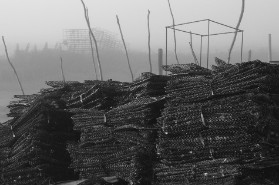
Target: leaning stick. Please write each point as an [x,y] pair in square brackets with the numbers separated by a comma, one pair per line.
[125,48]
[62,71]
[92,35]
[7,55]
[174,34]
[149,49]
[92,53]
[193,53]
[237,26]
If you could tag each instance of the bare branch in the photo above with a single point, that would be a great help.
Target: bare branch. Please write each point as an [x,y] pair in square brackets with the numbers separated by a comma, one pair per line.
[7,55]
[125,48]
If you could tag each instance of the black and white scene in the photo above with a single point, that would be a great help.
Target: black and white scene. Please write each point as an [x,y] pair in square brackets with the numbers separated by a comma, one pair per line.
[139,92]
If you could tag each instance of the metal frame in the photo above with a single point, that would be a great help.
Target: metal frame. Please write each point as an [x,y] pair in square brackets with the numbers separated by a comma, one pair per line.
[208,35]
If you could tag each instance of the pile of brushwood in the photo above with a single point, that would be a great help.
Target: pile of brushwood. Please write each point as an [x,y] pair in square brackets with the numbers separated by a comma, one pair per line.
[194,126]
[220,128]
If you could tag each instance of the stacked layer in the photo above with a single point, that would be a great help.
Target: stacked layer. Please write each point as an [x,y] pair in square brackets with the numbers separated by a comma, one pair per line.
[248,76]
[17,108]
[95,94]
[147,85]
[213,139]
[38,153]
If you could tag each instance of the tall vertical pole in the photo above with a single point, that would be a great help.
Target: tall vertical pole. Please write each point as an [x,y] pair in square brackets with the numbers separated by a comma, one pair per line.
[270,48]
[241,54]
[201,51]
[160,61]
[166,48]
[207,43]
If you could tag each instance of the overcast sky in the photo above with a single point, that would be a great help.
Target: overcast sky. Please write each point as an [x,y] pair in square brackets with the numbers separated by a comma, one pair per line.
[38,21]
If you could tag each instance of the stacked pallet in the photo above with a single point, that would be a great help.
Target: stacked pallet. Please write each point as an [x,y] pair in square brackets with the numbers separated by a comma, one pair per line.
[134,129]
[87,155]
[216,130]
[38,153]
[5,145]
[117,143]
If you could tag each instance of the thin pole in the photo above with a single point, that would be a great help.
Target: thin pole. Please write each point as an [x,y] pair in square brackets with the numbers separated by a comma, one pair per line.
[125,48]
[92,54]
[166,48]
[7,55]
[174,34]
[149,48]
[207,43]
[183,30]
[201,52]
[241,47]
[62,71]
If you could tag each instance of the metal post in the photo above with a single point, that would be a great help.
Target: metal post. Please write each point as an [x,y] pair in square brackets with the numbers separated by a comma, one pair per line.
[166,48]
[241,53]
[207,43]
[201,52]
[160,61]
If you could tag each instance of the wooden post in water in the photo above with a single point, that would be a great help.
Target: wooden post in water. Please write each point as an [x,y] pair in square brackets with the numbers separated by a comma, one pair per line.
[269,48]
[160,61]
[249,55]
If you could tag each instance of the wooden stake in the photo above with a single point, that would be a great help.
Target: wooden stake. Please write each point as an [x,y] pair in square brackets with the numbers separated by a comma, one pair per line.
[149,49]
[174,34]
[160,61]
[269,48]
[125,48]
[62,71]
[249,55]
[92,53]
[7,55]
[193,53]
[92,35]
[237,26]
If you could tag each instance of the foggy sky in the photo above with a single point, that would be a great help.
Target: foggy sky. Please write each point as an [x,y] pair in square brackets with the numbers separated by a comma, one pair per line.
[38,21]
